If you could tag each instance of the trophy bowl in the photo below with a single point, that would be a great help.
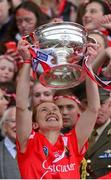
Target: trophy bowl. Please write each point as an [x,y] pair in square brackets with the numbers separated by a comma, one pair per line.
[63,46]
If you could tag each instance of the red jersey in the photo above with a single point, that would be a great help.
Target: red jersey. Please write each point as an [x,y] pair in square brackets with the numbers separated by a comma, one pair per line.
[43,160]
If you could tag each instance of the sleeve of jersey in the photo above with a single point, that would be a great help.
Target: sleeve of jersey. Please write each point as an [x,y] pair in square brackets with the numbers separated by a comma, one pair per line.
[31,143]
[74,141]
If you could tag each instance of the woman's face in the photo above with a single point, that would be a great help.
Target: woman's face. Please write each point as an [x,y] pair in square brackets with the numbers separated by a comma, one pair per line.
[69,110]
[104,112]
[7,70]
[41,94]
[26,21]
[93,12]
[3,103]
[48,117]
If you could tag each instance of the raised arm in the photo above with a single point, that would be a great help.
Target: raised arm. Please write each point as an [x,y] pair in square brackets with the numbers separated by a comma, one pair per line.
[23,115]
[87,119]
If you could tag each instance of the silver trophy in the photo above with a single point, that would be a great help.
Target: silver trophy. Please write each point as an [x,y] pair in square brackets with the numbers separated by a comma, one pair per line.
[63,46]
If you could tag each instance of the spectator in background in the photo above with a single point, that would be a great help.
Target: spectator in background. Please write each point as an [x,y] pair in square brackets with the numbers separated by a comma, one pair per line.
[3,103]
[8,164]
[7,68]
[28,16]
[46,7]
[6,18]
[98,155]
[70,108]
[3,106]
[94,11]
[41,93]
[66,10]
[10,62]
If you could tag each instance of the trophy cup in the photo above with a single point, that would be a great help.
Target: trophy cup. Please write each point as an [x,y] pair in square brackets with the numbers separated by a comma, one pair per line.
[63,46]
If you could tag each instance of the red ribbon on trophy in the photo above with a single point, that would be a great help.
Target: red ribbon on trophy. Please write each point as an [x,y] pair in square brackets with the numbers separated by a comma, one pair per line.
[105,84]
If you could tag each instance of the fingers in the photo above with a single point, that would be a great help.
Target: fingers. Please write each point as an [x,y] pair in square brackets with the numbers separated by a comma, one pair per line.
[32,39]
[23,49]
[24,43]
[106,19]
[94,46]
[91,52]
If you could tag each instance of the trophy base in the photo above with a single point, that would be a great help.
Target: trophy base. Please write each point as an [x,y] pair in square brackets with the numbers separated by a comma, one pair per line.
[63,76]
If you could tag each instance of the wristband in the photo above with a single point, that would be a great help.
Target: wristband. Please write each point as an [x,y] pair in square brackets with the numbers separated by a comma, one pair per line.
[27,61]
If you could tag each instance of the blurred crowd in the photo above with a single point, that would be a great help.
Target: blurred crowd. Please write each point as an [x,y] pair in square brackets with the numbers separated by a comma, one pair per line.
[20,91]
